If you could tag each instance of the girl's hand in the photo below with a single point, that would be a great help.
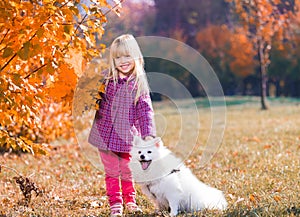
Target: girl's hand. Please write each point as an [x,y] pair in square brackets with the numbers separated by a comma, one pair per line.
[148,138]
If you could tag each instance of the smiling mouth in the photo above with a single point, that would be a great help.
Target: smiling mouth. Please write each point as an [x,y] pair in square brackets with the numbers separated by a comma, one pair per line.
[145,164]
[125,65]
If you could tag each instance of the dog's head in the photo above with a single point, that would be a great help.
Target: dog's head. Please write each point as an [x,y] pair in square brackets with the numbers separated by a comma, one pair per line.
[147,151]
[151,159]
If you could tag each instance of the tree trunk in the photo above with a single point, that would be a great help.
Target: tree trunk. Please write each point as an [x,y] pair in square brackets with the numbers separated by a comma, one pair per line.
[263,88]
[263,78]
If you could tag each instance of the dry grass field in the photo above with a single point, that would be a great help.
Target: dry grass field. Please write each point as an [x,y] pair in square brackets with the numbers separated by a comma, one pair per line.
[257,167]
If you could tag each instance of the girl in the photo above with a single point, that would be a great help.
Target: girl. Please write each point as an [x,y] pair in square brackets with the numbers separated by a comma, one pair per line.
[125,110]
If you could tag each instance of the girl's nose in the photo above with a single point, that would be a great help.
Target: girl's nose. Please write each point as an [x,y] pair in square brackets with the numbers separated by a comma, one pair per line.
[122,59]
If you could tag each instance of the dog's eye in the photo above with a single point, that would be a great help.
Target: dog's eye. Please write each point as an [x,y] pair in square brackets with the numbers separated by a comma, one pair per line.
[139,152]
[149,152]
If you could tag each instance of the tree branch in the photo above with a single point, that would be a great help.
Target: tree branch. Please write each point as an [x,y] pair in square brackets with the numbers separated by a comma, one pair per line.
[9,168]
[6,64]
[42,66]
[4,36]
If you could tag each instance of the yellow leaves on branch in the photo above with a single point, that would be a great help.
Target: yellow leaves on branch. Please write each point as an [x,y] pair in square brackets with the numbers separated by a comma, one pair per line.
[86,95]
[38,79]
[21,143]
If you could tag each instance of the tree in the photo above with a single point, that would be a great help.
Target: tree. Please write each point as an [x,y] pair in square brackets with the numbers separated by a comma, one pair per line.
[264,21]
[38,40]
[230,53]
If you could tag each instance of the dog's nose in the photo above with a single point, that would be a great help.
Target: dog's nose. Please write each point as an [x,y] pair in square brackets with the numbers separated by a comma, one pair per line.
[142,157]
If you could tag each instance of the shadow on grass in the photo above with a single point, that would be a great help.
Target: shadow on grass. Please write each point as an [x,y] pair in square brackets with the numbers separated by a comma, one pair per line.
[263,212]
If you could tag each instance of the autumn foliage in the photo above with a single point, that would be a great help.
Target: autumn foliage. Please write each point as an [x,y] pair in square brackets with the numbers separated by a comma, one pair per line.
[264,21]
[231,47]
[40,43]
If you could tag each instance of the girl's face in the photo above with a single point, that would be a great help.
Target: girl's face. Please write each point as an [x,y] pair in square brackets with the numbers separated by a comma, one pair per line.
[125,65]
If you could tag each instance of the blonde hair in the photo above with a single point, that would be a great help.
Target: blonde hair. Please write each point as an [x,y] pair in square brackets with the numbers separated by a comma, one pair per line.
[126,45]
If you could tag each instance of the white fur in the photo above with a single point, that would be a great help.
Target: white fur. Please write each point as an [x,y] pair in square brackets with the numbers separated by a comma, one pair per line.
[178,190]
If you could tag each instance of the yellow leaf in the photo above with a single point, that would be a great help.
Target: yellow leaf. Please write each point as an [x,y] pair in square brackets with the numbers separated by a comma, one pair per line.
[101,88]
[85,7]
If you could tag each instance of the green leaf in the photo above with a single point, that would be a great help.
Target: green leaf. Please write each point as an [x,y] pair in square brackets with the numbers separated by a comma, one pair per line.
[49,68]
[7,52]
[24,52]
[40,32]
[26,45]
[40,71]
[21,53]
[16,79]
[75,10]
[67,29]
[36,49]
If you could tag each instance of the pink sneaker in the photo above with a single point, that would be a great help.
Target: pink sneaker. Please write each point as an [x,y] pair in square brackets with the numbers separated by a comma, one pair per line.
[133,208]
[116,210]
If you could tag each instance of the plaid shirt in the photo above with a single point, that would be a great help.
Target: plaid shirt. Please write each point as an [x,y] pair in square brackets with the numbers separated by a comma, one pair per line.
[119,118]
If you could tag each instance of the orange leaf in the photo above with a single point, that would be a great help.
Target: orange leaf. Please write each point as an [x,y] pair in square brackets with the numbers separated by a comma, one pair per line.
[235,153]
[267,146]
[277,198]
[252,198]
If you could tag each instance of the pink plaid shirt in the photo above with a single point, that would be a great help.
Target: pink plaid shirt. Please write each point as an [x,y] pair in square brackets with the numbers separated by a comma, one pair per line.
[118,118]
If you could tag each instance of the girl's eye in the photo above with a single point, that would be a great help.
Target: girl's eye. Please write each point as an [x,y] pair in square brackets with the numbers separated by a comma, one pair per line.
[149,152]
[139,152]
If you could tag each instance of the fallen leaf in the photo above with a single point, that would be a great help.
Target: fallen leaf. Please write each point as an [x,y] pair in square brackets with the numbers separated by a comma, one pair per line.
[235,153]
[254,139]
[252,198]
[277,198]
[267,146]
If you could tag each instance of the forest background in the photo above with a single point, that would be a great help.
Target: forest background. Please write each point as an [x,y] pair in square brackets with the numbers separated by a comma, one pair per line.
[217,30]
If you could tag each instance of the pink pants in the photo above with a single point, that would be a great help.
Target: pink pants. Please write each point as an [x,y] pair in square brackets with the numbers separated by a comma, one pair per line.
[116,166]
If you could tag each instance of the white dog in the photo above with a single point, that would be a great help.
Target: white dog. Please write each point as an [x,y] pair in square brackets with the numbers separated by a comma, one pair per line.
[175,188]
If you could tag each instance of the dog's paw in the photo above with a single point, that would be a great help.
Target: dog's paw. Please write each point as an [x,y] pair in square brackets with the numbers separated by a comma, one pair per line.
[173,213]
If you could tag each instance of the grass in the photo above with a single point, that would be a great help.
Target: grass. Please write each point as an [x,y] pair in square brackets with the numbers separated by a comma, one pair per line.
[257,167]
